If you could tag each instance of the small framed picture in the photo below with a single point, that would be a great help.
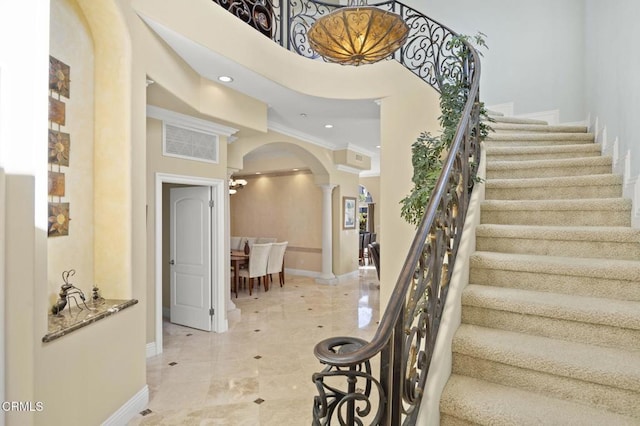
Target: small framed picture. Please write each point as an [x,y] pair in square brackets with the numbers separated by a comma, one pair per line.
[349,213]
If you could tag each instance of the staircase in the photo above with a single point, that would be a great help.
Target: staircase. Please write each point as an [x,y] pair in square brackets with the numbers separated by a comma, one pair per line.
[550,331]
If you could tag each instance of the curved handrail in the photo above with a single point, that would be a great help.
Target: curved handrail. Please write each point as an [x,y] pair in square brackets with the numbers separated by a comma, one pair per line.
[408,328]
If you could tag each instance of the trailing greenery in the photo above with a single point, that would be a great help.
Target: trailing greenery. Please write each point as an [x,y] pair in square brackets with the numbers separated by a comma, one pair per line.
[428,151]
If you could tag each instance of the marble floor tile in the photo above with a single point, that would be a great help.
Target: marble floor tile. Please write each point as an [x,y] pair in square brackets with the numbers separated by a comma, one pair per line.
[259,371]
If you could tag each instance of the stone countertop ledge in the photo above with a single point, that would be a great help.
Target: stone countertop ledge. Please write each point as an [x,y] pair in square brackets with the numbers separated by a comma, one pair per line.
[70,320]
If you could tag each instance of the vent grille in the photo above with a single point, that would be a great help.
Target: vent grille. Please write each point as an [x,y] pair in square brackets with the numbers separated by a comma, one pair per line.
[190,144]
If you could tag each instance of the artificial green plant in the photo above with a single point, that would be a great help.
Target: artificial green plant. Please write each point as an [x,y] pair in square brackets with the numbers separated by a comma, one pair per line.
[428,151]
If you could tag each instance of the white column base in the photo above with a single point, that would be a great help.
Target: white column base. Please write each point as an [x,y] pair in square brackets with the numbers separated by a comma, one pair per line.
[332,280]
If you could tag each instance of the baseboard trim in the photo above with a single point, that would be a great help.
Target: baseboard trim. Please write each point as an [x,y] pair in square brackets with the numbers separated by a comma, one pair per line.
[303,272]
[129,409]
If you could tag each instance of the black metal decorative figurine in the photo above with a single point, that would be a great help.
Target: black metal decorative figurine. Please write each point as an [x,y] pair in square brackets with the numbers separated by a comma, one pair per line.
[68,291]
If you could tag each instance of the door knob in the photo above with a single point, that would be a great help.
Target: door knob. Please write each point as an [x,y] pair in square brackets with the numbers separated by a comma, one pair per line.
[172,262]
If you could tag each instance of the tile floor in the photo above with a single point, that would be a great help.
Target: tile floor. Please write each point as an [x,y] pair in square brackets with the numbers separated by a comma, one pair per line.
[259,372]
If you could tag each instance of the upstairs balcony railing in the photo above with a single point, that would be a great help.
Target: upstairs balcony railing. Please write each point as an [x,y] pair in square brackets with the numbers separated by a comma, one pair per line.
[350,390]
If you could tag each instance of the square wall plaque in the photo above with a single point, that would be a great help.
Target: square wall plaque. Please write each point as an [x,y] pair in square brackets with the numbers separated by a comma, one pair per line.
[56,184]
[59,148]
[57,111]
[58,219]
[59,77]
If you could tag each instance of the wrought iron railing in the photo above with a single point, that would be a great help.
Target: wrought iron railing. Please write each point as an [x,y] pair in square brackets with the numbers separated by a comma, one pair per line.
[349,392]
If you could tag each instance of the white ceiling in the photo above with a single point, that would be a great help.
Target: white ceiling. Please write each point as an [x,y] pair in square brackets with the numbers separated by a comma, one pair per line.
[356,123]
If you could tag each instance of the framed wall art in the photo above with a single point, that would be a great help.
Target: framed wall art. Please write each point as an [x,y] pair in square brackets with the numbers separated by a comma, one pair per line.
[349,213]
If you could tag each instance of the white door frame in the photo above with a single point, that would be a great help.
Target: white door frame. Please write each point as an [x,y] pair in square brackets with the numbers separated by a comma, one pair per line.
[218,292]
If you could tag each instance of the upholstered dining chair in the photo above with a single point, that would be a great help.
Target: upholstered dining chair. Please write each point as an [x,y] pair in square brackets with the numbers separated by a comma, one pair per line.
[234,243]
[258,259]
[374,254]
[262,240]
[276,261]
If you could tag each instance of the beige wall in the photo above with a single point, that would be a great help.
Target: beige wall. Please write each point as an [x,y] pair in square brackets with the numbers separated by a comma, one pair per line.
[86,376]
[285,206]
[157,163]
[73,45]
[403,117]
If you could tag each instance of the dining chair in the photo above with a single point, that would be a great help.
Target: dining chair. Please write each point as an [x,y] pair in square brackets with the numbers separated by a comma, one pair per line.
[234,243]
[374,252]
[262,240]
[365,248]
[276,261]
[258,259]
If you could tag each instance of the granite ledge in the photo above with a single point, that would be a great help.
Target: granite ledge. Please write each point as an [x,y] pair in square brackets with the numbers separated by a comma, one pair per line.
[74,319]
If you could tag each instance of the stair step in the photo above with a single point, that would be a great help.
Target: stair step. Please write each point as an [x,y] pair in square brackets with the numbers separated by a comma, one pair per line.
[511,127]
[540,137]
[577,212]
[516,120]
[549,168]
[543,152]
[494,113]
[466,400]
[613,278]
[557,188]
[605,377]
[572,241]
[589,320]
[537,139]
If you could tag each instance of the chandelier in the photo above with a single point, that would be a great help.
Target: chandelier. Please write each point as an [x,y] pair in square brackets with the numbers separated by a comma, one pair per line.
[356,35]
[235,184]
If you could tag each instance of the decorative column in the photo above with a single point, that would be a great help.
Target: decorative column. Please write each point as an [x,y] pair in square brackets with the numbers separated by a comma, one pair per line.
[327,276]
[232,309]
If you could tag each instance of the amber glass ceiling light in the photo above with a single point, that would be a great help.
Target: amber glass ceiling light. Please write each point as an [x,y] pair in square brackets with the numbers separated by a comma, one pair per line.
[356,35]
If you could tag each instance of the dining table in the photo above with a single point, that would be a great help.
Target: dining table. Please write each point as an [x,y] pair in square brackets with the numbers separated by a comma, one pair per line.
[238,259]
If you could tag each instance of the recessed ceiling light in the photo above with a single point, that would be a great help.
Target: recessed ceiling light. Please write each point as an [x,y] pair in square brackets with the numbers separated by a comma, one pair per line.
[377,146]
[328,126]
[303,115]
[225,79]
[258,173]
[295,170]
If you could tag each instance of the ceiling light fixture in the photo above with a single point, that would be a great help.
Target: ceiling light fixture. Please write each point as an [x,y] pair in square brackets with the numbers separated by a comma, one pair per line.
[328,126]
[235,184]
[225,79]
[357,34]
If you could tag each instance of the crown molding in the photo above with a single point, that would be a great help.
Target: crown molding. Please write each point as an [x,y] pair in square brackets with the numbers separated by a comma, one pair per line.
[188,121]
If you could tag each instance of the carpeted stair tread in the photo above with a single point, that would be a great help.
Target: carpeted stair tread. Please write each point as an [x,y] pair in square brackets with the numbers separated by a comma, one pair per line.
[540,137]
[595,310]
[551,164]
[617,234]
[558,205]
[526,128]
[605,366]
[556,181]
[545,151]
[602,242]
[522,169]
[485,403]
[627,270]
[558,187]
[516,120]
[491,113]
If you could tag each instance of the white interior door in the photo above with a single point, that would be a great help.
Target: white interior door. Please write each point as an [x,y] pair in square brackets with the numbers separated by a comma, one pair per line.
[190,257]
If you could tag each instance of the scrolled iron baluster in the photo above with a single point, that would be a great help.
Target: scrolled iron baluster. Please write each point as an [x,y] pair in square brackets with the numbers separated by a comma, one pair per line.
[335,403]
